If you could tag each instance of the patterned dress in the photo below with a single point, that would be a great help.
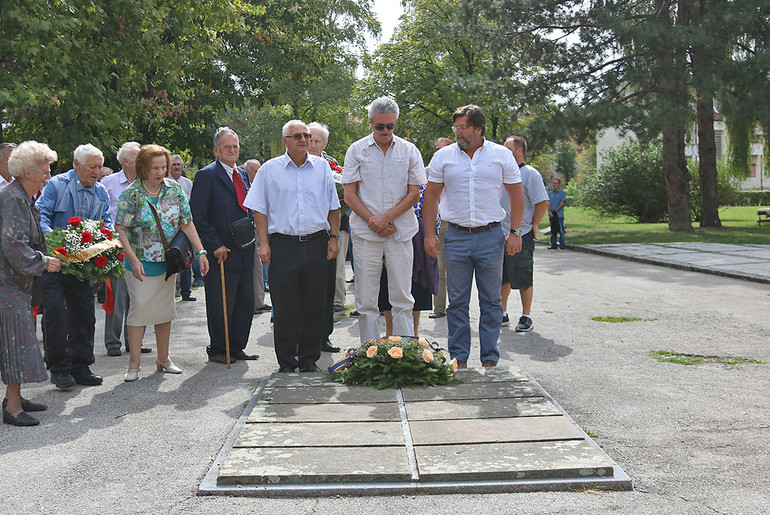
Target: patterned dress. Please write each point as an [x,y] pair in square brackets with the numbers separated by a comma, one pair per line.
[22,251]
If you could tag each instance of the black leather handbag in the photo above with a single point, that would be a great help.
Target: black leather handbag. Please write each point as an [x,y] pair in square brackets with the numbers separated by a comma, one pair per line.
[179,253]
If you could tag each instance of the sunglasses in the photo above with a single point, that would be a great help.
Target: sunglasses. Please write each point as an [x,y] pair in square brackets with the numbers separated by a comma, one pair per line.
[383,126]
[300,135]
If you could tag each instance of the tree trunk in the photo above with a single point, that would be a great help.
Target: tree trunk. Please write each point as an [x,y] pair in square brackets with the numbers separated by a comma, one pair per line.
[707,152]
[707,155]
[672,81]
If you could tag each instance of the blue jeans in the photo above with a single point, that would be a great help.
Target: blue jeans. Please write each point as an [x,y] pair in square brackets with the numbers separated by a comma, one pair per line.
[557,226]
[466,254]
[196,269]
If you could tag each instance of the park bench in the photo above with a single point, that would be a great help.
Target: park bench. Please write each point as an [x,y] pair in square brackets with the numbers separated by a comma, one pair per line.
[763,213]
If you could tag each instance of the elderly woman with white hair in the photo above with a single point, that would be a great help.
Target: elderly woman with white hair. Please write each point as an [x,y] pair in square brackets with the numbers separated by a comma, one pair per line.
[22,259]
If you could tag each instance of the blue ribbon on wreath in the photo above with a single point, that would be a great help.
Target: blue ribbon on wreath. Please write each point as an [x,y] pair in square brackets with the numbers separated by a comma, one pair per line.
[350,355]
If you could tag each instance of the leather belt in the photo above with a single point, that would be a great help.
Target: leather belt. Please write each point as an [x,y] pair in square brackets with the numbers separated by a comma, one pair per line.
[300,238]
[480,228]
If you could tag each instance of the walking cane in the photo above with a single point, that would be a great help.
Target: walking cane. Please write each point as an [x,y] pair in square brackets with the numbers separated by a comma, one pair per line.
[224,312]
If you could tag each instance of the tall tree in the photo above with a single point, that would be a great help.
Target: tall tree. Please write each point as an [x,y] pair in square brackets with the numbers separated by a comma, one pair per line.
[104,71]
[298,60]
[448,53]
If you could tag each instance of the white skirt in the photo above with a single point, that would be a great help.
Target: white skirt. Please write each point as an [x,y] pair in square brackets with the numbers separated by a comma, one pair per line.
[152,300]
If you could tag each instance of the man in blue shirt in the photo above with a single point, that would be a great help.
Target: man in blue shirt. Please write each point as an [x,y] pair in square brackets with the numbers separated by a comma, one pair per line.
[558,198]
[69,319]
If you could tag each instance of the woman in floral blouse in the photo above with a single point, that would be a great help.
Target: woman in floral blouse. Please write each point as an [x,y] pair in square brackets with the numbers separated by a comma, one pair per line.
[22,258]
[151,295]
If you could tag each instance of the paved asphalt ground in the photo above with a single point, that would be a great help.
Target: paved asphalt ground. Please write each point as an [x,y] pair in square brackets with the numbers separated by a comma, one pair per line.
[693,438]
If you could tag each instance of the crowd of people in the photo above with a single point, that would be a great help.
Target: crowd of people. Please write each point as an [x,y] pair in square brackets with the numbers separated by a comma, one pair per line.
[295,214]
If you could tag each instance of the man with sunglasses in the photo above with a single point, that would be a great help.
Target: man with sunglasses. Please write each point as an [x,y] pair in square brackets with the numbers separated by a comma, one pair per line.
[472,174]
[298,216]
[382,178]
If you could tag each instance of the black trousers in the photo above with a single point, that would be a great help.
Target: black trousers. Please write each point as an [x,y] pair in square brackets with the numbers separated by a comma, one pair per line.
[69,322]
[239,292]
[299,274]
[331,284]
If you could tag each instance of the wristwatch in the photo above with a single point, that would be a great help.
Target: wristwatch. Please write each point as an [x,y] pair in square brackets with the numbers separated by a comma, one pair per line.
[335,236]
[517,232]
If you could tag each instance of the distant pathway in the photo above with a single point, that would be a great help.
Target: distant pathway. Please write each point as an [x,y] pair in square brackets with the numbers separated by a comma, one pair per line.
[749,262]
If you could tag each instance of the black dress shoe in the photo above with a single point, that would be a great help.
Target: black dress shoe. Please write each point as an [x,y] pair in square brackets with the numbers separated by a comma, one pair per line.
[310,368]
[189,298]
[22,419]
[286,370]
[355,314]
[242,355]
[114,351]
[62,380]
[221,358]
[88,379]
[263,309]
[28,405]
[145,350]
[328,347]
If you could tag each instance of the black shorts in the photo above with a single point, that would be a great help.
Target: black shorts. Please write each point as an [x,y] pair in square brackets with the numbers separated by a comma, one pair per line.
[518,269]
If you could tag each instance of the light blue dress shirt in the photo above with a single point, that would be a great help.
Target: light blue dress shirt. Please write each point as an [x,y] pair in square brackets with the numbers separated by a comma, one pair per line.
[296,200]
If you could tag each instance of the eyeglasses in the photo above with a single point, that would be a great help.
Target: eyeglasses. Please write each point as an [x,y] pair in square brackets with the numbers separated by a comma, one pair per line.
[382,126]
[456,128]
[299,135]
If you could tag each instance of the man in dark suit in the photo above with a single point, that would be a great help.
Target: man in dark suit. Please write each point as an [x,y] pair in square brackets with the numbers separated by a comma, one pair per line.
[216,202]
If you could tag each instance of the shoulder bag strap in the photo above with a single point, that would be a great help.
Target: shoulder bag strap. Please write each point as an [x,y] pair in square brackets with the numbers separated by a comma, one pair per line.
[160,227]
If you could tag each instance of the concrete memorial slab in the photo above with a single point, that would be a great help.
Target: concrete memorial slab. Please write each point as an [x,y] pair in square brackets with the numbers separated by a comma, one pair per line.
[322,412]
[499,431]
[480,408]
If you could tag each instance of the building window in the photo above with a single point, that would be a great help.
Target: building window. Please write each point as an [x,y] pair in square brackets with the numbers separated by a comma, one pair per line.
[719,143]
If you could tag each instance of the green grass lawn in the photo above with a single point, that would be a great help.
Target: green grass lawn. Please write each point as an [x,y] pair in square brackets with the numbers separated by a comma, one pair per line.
[739,225]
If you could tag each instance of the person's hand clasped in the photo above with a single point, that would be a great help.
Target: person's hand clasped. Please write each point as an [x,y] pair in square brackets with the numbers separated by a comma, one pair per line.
[379,223]
[387,231]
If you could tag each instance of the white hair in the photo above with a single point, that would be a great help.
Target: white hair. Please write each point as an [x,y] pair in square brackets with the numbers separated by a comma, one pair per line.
[29,155]
[125,148]
[174,157]
[324,129]
[383,105]
[221,132]
[287,126]
[6,148]
[83,152]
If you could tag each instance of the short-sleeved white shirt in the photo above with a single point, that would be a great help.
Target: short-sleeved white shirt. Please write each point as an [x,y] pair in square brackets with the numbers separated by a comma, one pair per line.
[383,181]
[534,193]
[473,187]
[296,200]
[186,185]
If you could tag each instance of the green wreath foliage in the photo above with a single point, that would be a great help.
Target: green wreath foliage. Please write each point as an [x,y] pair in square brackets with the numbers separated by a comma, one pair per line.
[397,362]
